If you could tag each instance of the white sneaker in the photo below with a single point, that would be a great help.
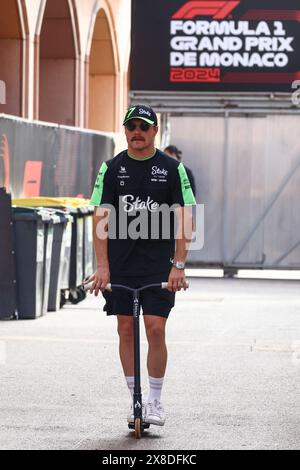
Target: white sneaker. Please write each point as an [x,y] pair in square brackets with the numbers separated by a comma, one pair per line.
[155,413]
[130,416]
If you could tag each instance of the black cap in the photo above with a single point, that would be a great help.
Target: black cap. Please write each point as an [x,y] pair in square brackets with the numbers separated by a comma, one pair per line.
[175,150]
[143,112]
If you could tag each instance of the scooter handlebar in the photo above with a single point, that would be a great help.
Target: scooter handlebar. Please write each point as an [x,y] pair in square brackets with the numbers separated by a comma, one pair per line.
[164,285]
[87,287]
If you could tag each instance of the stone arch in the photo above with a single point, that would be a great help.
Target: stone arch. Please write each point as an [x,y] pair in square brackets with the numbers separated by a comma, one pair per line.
[103,73]
[58,63]
[13,63]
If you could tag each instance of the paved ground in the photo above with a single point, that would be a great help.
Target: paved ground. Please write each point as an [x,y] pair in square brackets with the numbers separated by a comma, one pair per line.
[233,376]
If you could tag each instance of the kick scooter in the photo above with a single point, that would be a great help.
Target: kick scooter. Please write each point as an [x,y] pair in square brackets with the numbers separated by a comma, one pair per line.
[139,425]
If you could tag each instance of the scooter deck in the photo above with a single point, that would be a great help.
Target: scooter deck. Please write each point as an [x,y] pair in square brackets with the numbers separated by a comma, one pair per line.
[143,426]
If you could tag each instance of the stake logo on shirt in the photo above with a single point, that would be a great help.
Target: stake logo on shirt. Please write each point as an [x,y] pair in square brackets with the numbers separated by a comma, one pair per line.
[137,204]
[159,174]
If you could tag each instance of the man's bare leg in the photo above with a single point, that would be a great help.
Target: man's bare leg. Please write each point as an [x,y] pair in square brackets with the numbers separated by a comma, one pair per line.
[156,362]
[157,352]
[125,331]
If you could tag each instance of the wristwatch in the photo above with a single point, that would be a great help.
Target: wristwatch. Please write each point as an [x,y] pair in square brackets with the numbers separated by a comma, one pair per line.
[178,264]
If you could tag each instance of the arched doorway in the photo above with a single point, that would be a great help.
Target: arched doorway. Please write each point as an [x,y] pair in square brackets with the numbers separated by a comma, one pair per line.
[57,64]
[103,96]
[12,52]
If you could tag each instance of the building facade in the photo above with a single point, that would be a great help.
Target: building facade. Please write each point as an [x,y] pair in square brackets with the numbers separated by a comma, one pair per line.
[65,61]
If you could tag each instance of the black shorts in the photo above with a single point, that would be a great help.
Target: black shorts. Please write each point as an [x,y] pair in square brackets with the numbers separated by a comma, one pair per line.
[154,301]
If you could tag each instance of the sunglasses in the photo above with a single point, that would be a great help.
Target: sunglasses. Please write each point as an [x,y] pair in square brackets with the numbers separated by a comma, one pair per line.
[143,126]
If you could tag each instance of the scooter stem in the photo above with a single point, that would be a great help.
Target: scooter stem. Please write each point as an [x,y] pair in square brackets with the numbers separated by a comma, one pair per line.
[137,396]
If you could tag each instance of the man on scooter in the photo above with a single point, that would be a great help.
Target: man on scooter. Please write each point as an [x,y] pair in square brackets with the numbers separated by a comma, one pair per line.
[129,191]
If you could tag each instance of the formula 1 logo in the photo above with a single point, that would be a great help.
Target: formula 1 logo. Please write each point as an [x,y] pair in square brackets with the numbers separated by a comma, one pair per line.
[217,9]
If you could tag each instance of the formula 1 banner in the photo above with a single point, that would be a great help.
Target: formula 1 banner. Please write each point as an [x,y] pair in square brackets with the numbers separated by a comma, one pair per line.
[234,45]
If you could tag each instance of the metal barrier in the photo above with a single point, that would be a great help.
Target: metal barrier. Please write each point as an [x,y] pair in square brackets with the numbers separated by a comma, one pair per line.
[41,159]
[247,175]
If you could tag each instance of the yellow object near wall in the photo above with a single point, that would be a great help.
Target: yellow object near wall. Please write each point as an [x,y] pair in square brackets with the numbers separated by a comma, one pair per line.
[51,202]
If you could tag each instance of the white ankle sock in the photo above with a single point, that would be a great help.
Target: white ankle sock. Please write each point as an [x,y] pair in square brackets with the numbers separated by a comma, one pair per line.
[155,388]
[130,385]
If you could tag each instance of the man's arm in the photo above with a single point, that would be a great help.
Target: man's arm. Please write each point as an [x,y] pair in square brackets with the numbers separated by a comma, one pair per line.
[184,235]
[101,277]
[103,194]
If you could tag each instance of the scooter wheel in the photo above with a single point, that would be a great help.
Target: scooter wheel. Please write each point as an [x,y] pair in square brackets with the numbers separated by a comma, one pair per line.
[137,428]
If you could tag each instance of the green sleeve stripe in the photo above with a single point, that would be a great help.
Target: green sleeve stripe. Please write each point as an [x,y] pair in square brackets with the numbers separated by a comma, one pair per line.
[99,185]
[187,193]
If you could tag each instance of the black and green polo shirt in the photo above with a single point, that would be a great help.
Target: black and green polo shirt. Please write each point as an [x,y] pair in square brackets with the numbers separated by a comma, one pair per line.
[137,189]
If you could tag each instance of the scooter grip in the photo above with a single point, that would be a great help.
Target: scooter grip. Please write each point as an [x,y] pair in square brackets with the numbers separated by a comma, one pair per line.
[164,285]
[90,285]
